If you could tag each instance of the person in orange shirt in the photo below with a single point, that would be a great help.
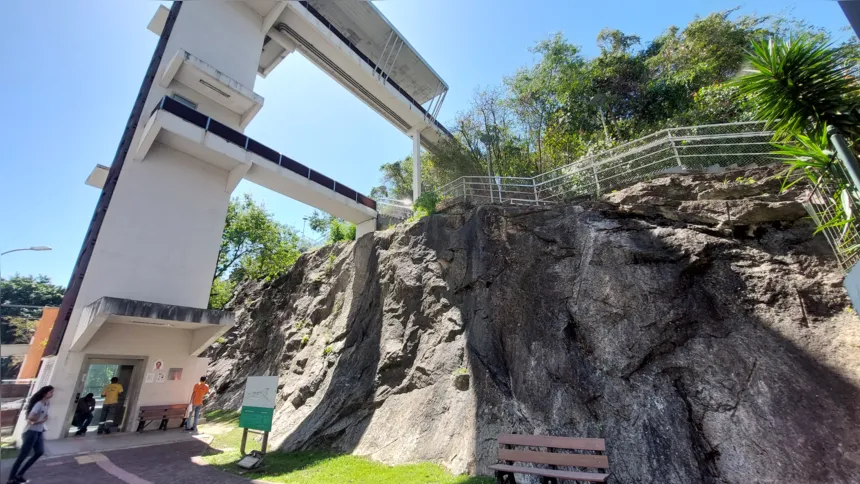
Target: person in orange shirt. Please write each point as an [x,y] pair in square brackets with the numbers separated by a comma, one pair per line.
[200,391]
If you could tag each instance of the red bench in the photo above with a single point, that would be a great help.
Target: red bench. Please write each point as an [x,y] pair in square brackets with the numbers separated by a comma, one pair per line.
[509,455]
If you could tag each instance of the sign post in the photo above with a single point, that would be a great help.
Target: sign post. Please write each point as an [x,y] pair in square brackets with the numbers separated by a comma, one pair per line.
[258,408]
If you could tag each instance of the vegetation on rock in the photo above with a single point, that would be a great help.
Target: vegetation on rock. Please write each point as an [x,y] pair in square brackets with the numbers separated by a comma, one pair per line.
[566,106]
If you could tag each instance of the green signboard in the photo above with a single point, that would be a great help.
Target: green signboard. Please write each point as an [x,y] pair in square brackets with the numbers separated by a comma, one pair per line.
[256,418]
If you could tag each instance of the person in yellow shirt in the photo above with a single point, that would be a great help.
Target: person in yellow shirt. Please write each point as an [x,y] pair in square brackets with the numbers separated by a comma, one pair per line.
[111,394]
[200,391]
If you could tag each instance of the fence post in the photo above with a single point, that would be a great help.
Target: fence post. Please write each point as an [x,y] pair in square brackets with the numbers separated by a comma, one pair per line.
[596,179]
[674,148]
[845,155]
[534,186]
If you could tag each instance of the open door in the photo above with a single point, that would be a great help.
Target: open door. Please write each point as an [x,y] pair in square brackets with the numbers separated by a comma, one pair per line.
[96,373]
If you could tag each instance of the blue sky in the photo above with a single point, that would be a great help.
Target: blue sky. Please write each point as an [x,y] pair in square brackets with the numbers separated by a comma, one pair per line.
[71,70]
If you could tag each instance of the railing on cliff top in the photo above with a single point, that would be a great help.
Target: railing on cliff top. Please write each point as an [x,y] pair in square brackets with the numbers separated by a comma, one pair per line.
[695,148]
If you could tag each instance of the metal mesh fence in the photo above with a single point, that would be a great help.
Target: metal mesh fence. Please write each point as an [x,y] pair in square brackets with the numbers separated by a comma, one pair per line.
[826,205]
[680,150]
[394,209]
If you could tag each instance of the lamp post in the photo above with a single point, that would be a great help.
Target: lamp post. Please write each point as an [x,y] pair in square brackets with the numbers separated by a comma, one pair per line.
[36,248]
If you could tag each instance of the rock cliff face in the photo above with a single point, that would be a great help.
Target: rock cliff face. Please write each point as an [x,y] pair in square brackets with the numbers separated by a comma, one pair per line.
[693,322]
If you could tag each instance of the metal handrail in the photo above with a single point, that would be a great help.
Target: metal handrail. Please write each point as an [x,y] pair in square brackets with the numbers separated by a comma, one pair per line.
[670,149]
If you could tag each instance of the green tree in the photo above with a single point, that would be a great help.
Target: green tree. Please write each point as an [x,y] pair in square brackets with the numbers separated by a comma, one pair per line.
[253,246]
[17,324]
[335,229]
[565,106]
[801,84]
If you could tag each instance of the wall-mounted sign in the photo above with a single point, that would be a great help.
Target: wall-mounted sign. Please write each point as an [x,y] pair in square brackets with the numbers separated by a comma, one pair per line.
[174,374]
[258,403]
[150,377]
[160,377]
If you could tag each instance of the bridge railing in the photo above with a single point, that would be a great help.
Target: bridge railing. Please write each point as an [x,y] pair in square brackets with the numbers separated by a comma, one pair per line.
[694,148]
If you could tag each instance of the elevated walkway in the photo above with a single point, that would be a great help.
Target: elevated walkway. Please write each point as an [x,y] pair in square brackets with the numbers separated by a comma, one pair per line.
[360,49]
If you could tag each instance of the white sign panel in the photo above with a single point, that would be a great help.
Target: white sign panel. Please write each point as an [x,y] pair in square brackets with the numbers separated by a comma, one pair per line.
[260,391]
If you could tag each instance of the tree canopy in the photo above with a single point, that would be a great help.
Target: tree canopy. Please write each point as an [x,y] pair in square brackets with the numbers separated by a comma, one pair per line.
[333,228]
[253,246]
[18,323]
[565,105]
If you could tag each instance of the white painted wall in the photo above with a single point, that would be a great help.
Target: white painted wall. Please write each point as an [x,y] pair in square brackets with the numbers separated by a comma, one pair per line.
[205,105]
[159,241]
[167,344]
[153,343]
[202,29]
[165,180]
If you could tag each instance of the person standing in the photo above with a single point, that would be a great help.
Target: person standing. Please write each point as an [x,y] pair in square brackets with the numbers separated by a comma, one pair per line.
[200,391]
[111,394]
[84,413]
[37,414]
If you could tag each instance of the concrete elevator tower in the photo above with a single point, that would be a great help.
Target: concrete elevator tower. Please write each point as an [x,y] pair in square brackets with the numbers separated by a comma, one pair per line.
[137,297]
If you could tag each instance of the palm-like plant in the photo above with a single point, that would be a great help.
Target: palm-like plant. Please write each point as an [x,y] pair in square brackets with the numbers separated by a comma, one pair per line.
[802,83]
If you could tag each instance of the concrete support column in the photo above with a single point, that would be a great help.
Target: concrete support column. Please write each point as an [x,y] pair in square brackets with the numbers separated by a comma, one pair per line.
[365,227]
[416,164]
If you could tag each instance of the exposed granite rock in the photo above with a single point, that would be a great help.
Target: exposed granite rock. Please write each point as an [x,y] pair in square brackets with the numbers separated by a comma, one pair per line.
[693,322]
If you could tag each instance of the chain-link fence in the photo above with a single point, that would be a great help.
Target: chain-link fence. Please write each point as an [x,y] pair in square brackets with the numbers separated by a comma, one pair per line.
[694,148]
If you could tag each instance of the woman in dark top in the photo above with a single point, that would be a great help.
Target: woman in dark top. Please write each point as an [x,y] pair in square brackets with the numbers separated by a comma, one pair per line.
[84,413]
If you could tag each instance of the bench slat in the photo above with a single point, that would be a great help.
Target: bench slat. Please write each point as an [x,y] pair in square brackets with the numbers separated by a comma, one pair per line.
[151,414]
[155,412]
[576,476]
[164,407]
[553,442]
[571,460]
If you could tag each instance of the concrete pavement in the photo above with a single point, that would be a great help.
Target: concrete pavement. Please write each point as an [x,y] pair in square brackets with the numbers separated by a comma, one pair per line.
[157,464]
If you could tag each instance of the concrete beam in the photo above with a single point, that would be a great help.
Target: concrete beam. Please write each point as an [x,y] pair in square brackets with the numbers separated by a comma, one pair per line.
[236,175]
[273,15]
[365,227]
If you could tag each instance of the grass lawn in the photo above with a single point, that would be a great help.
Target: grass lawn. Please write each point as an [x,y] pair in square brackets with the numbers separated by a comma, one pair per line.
[315,467]
[7,448]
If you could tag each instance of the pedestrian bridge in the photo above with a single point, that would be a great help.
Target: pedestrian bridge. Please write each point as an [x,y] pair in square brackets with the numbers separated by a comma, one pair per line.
[190,131]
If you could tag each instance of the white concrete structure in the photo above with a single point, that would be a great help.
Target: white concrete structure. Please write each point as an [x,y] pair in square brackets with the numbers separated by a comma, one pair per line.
[144,272]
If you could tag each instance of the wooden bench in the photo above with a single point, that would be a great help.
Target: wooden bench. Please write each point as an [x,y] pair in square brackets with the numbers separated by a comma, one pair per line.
[509,455]
[161,412]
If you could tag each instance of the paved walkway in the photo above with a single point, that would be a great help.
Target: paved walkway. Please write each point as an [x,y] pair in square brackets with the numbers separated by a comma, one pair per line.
[159,464]
[116,441]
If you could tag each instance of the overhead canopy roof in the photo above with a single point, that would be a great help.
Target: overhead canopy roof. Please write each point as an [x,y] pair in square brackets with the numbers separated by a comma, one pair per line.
[368,29]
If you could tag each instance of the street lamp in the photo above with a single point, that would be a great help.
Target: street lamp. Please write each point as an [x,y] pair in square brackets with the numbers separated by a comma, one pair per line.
[37,248]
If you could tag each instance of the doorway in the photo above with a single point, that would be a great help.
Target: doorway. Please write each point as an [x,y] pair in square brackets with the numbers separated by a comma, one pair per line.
[96,374]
